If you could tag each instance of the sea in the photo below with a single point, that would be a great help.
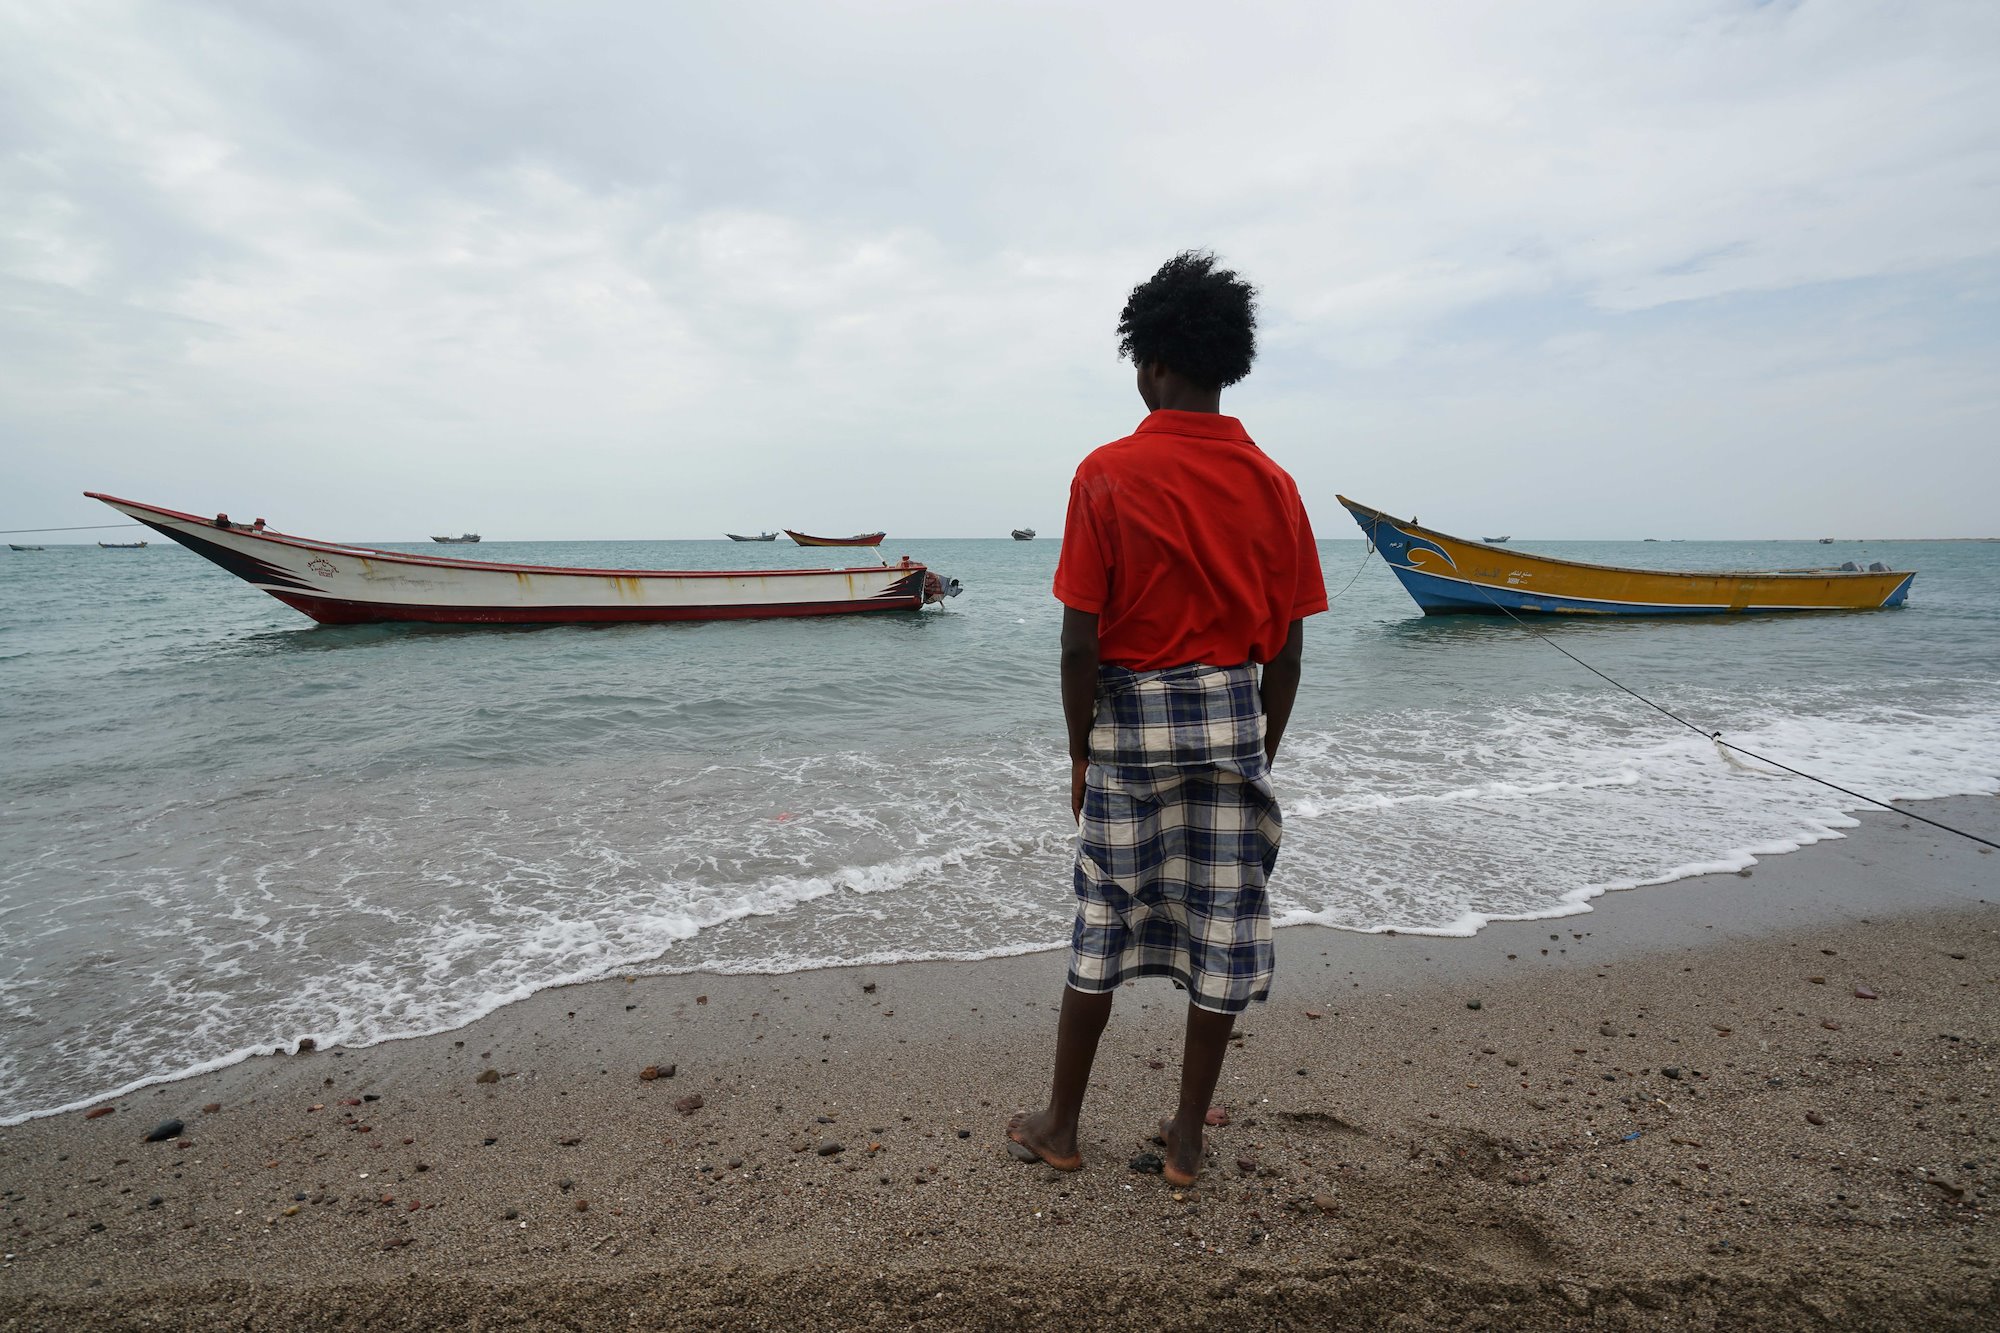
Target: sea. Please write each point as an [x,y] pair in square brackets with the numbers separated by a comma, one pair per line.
[223,828]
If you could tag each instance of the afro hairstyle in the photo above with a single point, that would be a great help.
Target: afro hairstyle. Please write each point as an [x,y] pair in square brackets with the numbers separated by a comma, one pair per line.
[1194,318]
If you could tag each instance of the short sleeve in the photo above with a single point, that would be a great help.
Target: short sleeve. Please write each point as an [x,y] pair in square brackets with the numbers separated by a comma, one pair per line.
[1309,589]
[1083,570]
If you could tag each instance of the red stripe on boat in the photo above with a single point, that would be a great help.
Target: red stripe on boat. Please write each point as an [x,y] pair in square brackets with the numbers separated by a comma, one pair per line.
[335,611]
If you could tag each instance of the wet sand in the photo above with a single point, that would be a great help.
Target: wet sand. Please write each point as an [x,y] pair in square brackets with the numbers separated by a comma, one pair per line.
[1680,1110]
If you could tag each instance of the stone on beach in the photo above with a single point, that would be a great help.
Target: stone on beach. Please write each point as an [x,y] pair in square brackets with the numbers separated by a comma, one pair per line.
[689,1104]
[490,1076]
[99,1113]
[166,1129]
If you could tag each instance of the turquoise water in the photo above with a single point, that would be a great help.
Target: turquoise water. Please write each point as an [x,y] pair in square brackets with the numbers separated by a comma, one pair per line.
[224,828]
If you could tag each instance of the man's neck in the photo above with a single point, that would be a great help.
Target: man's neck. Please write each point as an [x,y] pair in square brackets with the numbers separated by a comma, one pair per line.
[1190,398]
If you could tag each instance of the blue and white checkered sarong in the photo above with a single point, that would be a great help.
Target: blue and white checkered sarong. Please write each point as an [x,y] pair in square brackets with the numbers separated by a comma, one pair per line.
[1178,836]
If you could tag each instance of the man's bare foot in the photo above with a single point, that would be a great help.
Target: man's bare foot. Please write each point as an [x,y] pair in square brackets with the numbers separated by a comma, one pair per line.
[1182,1160]
[1040,1136]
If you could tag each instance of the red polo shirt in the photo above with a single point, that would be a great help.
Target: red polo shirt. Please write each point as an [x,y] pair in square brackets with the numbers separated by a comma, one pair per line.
[1189,545]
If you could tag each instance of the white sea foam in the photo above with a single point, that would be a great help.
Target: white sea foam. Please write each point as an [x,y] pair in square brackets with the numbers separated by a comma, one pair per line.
[397,906]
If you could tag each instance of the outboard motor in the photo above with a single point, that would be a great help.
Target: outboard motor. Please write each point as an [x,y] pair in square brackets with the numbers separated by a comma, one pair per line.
[937,588]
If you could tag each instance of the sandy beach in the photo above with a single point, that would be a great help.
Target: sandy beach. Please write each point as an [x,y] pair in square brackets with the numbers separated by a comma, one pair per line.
[1761,1100]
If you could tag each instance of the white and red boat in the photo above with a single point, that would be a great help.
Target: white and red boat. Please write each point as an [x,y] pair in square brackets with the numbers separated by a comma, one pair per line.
[353,585]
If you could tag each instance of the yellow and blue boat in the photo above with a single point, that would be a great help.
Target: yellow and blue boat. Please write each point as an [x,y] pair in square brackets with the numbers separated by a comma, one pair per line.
[1449,575]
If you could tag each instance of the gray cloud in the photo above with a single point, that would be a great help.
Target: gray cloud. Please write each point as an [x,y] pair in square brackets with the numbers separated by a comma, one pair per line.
[613,270]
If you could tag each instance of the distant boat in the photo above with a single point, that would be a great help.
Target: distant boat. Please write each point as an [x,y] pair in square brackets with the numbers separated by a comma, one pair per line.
[357,585]
[462,539]
[123,546]
[858,539]
[1496,541]
[1650,539]
[1826,541]
[1024,534]
[760,537]
[12,547]
[1447,575]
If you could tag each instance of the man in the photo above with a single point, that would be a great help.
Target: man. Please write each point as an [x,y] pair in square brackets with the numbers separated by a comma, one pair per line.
[1187,561]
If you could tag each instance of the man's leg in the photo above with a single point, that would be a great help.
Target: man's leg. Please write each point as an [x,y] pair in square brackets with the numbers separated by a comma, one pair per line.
[1051,1133]
[1201,1066]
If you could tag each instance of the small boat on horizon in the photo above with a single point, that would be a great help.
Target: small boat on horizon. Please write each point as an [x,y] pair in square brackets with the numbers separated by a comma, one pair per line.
[1826,541]
[858,539]
[1497,541]
[358,585]
[463,538]
[760,537]
[12,547]
[122,546]
[1448,575]
[1024,534]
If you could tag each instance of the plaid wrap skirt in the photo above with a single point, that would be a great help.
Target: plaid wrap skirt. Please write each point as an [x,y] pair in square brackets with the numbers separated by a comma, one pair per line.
[1178,836]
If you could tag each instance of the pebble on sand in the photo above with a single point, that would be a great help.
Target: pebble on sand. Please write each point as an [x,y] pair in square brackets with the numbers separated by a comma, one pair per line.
[651,1072]
[1148,1163]
[211,1108]
[689,1104]
[99,1112]
[1815,1118]
[830,1148]
[1474,1004]
[1863,993]
[490,1076]
[307,1044]
[166,1129]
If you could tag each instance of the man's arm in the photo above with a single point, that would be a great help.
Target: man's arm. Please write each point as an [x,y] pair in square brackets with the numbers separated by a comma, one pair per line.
[1079,694]
[1281,687]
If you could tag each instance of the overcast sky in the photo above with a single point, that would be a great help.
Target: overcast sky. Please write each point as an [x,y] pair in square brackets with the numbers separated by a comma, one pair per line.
[624,270]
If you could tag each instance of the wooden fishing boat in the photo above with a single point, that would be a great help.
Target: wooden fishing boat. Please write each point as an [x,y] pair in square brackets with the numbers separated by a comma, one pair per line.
[1450,575]
[1024,534]
[351,585]
[463,539]
[760,537]
[1496,541]
[12,547]
[122,546]
[858,539]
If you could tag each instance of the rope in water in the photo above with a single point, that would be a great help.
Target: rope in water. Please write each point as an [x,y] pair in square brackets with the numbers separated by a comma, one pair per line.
[85,527]
[1716,736]
[1357,573]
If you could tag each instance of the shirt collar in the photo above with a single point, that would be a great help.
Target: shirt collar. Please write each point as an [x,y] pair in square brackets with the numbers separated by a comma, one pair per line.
[1209,425]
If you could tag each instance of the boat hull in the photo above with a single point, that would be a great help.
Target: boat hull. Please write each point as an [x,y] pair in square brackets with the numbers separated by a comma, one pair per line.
[861,539]
[1448,575]
[351,585]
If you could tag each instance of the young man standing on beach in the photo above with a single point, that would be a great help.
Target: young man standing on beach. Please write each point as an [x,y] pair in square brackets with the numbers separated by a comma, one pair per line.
[1187,562]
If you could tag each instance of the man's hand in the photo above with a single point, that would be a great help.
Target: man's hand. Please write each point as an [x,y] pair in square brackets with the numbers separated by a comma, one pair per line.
[1079,695]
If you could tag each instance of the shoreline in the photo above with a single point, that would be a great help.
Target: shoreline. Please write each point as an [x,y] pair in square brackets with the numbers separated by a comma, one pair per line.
[1663,1121]
[1577,903]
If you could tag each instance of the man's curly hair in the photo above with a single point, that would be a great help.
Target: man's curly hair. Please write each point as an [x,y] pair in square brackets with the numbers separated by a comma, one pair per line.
[1193,318]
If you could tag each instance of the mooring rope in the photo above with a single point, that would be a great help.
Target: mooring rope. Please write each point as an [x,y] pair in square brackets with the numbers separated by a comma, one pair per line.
[1357,572]
[1716,736]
